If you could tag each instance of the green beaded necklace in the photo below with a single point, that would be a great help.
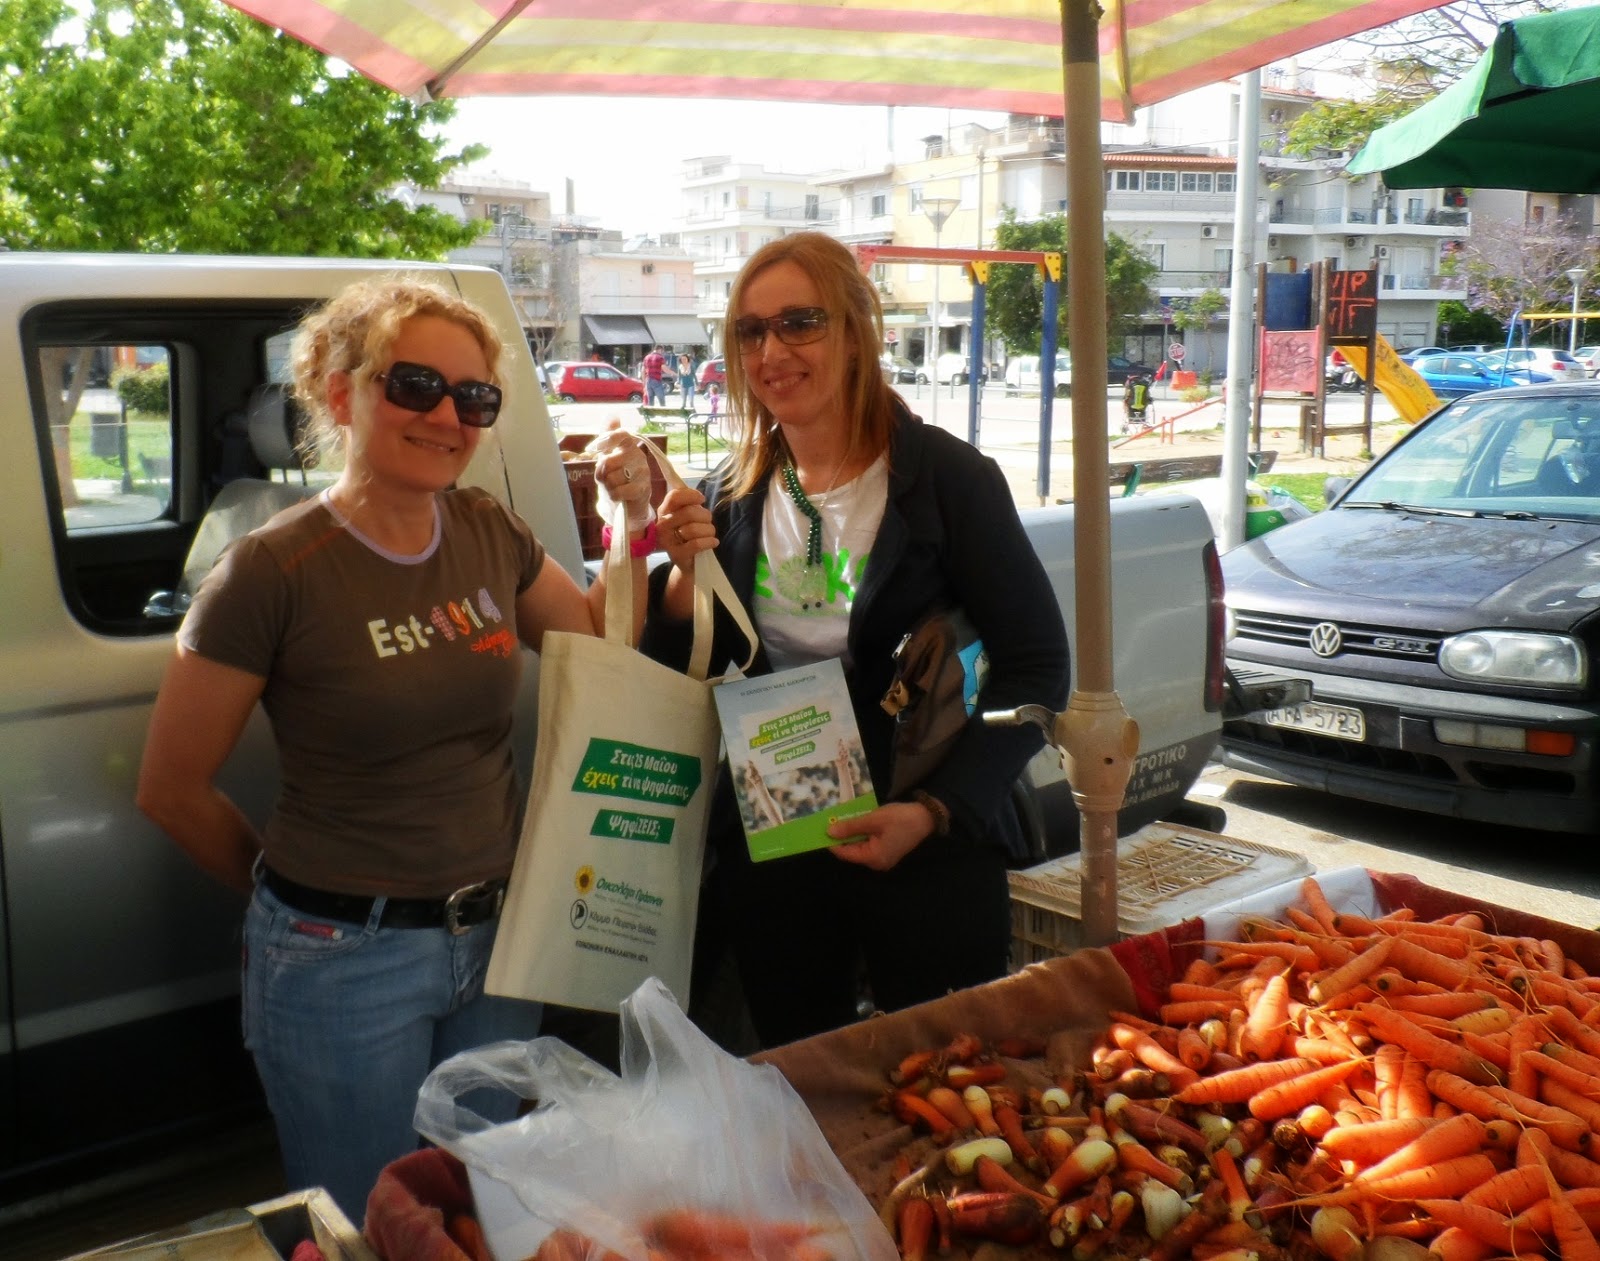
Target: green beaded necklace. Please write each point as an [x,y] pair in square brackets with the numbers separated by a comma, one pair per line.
[791,483]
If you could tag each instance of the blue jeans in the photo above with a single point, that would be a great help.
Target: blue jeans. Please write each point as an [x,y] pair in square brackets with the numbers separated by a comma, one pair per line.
[655,390]
[345,1021]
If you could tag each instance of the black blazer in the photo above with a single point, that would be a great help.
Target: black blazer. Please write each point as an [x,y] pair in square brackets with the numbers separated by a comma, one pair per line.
[950,536]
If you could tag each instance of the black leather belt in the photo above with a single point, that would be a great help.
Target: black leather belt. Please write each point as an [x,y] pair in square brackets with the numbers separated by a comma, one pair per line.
[467,907]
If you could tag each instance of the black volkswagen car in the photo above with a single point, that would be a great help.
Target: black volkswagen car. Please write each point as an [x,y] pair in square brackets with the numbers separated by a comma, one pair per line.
[1444,609]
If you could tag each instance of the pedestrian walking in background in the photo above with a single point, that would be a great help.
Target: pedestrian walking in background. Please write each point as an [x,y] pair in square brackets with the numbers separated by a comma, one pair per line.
[655,378]
[686,382]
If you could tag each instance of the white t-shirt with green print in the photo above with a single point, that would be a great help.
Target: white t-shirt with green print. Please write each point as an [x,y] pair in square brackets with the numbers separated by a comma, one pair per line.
[801,610]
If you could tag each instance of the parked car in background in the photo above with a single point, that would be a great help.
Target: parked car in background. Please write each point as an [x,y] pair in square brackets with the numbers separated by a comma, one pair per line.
[897,369]
[1119,368]
[1417,352]
[1022,375]
[713,372]
[593,382]
[950,368]
[1456,375]
[1444,610]
[1589,357]
[1558,365]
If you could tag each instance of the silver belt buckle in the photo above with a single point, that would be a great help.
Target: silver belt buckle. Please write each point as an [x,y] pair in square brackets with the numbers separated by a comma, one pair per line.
[452,905]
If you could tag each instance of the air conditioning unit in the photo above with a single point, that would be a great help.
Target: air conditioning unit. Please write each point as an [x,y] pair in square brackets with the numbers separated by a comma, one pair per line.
[1350,242]
[467,199]
[1276,116]
[647,268]
[1272,242]
[1208,229]
[1383,251]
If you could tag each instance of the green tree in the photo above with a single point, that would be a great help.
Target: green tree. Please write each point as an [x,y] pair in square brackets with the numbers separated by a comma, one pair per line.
[183,125]
[1014,301]
[1459,324]
[1195,315]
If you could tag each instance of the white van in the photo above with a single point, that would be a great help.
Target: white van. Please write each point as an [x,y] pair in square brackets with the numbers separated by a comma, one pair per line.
[1022,375]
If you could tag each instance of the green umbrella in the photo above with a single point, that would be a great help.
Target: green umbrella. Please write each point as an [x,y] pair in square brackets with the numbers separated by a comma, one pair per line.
[1524,117]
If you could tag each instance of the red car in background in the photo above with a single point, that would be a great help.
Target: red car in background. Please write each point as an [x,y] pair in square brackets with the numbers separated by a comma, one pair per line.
[593,382]
[713,372]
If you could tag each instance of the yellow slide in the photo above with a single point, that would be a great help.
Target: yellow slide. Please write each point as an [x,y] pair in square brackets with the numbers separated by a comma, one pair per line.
[1400,384]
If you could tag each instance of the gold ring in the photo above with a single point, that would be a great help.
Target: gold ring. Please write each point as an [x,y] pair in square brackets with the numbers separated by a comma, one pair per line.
[681,539]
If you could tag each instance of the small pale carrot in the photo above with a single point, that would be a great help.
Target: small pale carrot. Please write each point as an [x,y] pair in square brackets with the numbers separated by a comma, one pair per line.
[949,1102]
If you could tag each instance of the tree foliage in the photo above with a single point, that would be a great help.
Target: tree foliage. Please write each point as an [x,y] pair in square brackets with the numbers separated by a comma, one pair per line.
[1406,63]
[1458,324]
[1015,295]
[1509,264]
[168,125]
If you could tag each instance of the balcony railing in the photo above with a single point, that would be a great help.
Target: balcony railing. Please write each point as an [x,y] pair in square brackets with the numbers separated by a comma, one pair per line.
[1194,280]
[747,214]
[1420,283]
[639,304]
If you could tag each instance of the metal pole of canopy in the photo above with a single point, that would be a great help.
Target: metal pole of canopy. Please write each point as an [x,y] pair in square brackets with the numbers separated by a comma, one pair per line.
[1099,738]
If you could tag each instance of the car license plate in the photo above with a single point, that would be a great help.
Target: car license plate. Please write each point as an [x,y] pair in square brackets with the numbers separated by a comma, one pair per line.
[1338,721]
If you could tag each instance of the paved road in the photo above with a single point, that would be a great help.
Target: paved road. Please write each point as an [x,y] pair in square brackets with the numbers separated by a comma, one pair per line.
[1541,872]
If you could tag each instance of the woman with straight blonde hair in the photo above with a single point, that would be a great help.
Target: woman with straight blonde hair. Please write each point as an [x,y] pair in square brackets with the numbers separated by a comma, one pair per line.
[843,521]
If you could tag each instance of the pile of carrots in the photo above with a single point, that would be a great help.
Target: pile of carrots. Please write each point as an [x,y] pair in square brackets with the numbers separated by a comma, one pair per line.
[1330,1086]
[693,1234]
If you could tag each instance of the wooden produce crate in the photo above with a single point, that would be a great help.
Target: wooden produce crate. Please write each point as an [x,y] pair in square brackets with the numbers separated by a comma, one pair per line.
[269,1231]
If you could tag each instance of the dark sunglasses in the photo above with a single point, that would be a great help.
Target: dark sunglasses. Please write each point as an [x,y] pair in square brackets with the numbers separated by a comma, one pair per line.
[798,326]
[419,388]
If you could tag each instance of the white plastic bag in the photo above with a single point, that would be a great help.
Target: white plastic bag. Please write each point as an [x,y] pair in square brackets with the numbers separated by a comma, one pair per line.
[686,1125]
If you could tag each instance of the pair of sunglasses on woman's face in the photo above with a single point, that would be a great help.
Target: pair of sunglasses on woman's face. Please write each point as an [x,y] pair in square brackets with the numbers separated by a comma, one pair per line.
[798,326]
[419,388]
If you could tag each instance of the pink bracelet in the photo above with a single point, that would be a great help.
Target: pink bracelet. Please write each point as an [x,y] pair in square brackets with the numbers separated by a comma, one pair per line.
[641,546]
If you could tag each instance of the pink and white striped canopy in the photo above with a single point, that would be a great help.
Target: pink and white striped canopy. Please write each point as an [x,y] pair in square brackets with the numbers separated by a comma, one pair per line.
[972,54]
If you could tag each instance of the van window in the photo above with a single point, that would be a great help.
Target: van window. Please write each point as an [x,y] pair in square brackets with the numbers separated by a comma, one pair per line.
[110,417]
[141,413]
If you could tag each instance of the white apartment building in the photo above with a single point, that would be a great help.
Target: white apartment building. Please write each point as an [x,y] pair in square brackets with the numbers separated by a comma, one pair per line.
[729,210]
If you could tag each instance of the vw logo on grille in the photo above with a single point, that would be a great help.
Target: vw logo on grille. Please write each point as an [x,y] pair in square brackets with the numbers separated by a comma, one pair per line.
[1325,639]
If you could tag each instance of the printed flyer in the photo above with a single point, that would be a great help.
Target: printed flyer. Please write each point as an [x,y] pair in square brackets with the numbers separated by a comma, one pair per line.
[795,755]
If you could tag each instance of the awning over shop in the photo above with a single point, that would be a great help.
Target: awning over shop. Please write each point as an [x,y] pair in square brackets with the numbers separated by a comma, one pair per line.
[618,330]
[677,330]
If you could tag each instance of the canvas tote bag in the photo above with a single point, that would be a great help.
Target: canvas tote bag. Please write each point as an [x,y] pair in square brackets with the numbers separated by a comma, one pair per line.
[606,882]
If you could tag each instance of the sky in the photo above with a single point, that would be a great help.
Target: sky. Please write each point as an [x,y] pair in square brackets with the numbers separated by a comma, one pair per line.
[625,154]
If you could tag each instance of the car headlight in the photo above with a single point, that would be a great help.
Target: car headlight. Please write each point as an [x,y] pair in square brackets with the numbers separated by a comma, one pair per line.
[1521,657]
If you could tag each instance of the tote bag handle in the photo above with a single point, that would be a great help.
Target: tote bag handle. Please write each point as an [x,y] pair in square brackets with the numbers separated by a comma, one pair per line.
[710,585]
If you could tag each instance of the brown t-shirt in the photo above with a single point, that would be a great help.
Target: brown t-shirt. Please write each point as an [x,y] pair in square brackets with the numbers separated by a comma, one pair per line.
[390,682]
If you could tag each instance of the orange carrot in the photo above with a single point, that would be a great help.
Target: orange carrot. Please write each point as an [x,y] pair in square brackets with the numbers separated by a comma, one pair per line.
[1574,1240]
[1447,1004]
[949,1103]
[1413,1098]
[1193,1011]
[1003,1217]
[913,1109]
[1135,1157]
[1424,963]
[1151,1054]
[1510,1192]
[1392,1026]
[1526,1035]
[467,1234]
[1387,1063]
[1010,1122]
[1492,1227]
[1194,1048]
[993,1176]
[1560,1094]
[1311,893]
[1459,1136]
[1237,1085]
[1268,1021]
[1352,973]
[1448,1180]
[1498,1103]
[1290,1096]
[914,1227]
[704,1230]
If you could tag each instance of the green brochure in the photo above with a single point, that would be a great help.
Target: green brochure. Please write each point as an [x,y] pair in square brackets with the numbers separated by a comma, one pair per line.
[795,755]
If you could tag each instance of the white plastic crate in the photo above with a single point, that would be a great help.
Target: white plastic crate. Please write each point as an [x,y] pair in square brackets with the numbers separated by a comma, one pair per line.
[1165,874]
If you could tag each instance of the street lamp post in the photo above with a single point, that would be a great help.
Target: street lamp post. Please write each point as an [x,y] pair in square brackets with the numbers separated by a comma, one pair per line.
[938,210]
[1575,275]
